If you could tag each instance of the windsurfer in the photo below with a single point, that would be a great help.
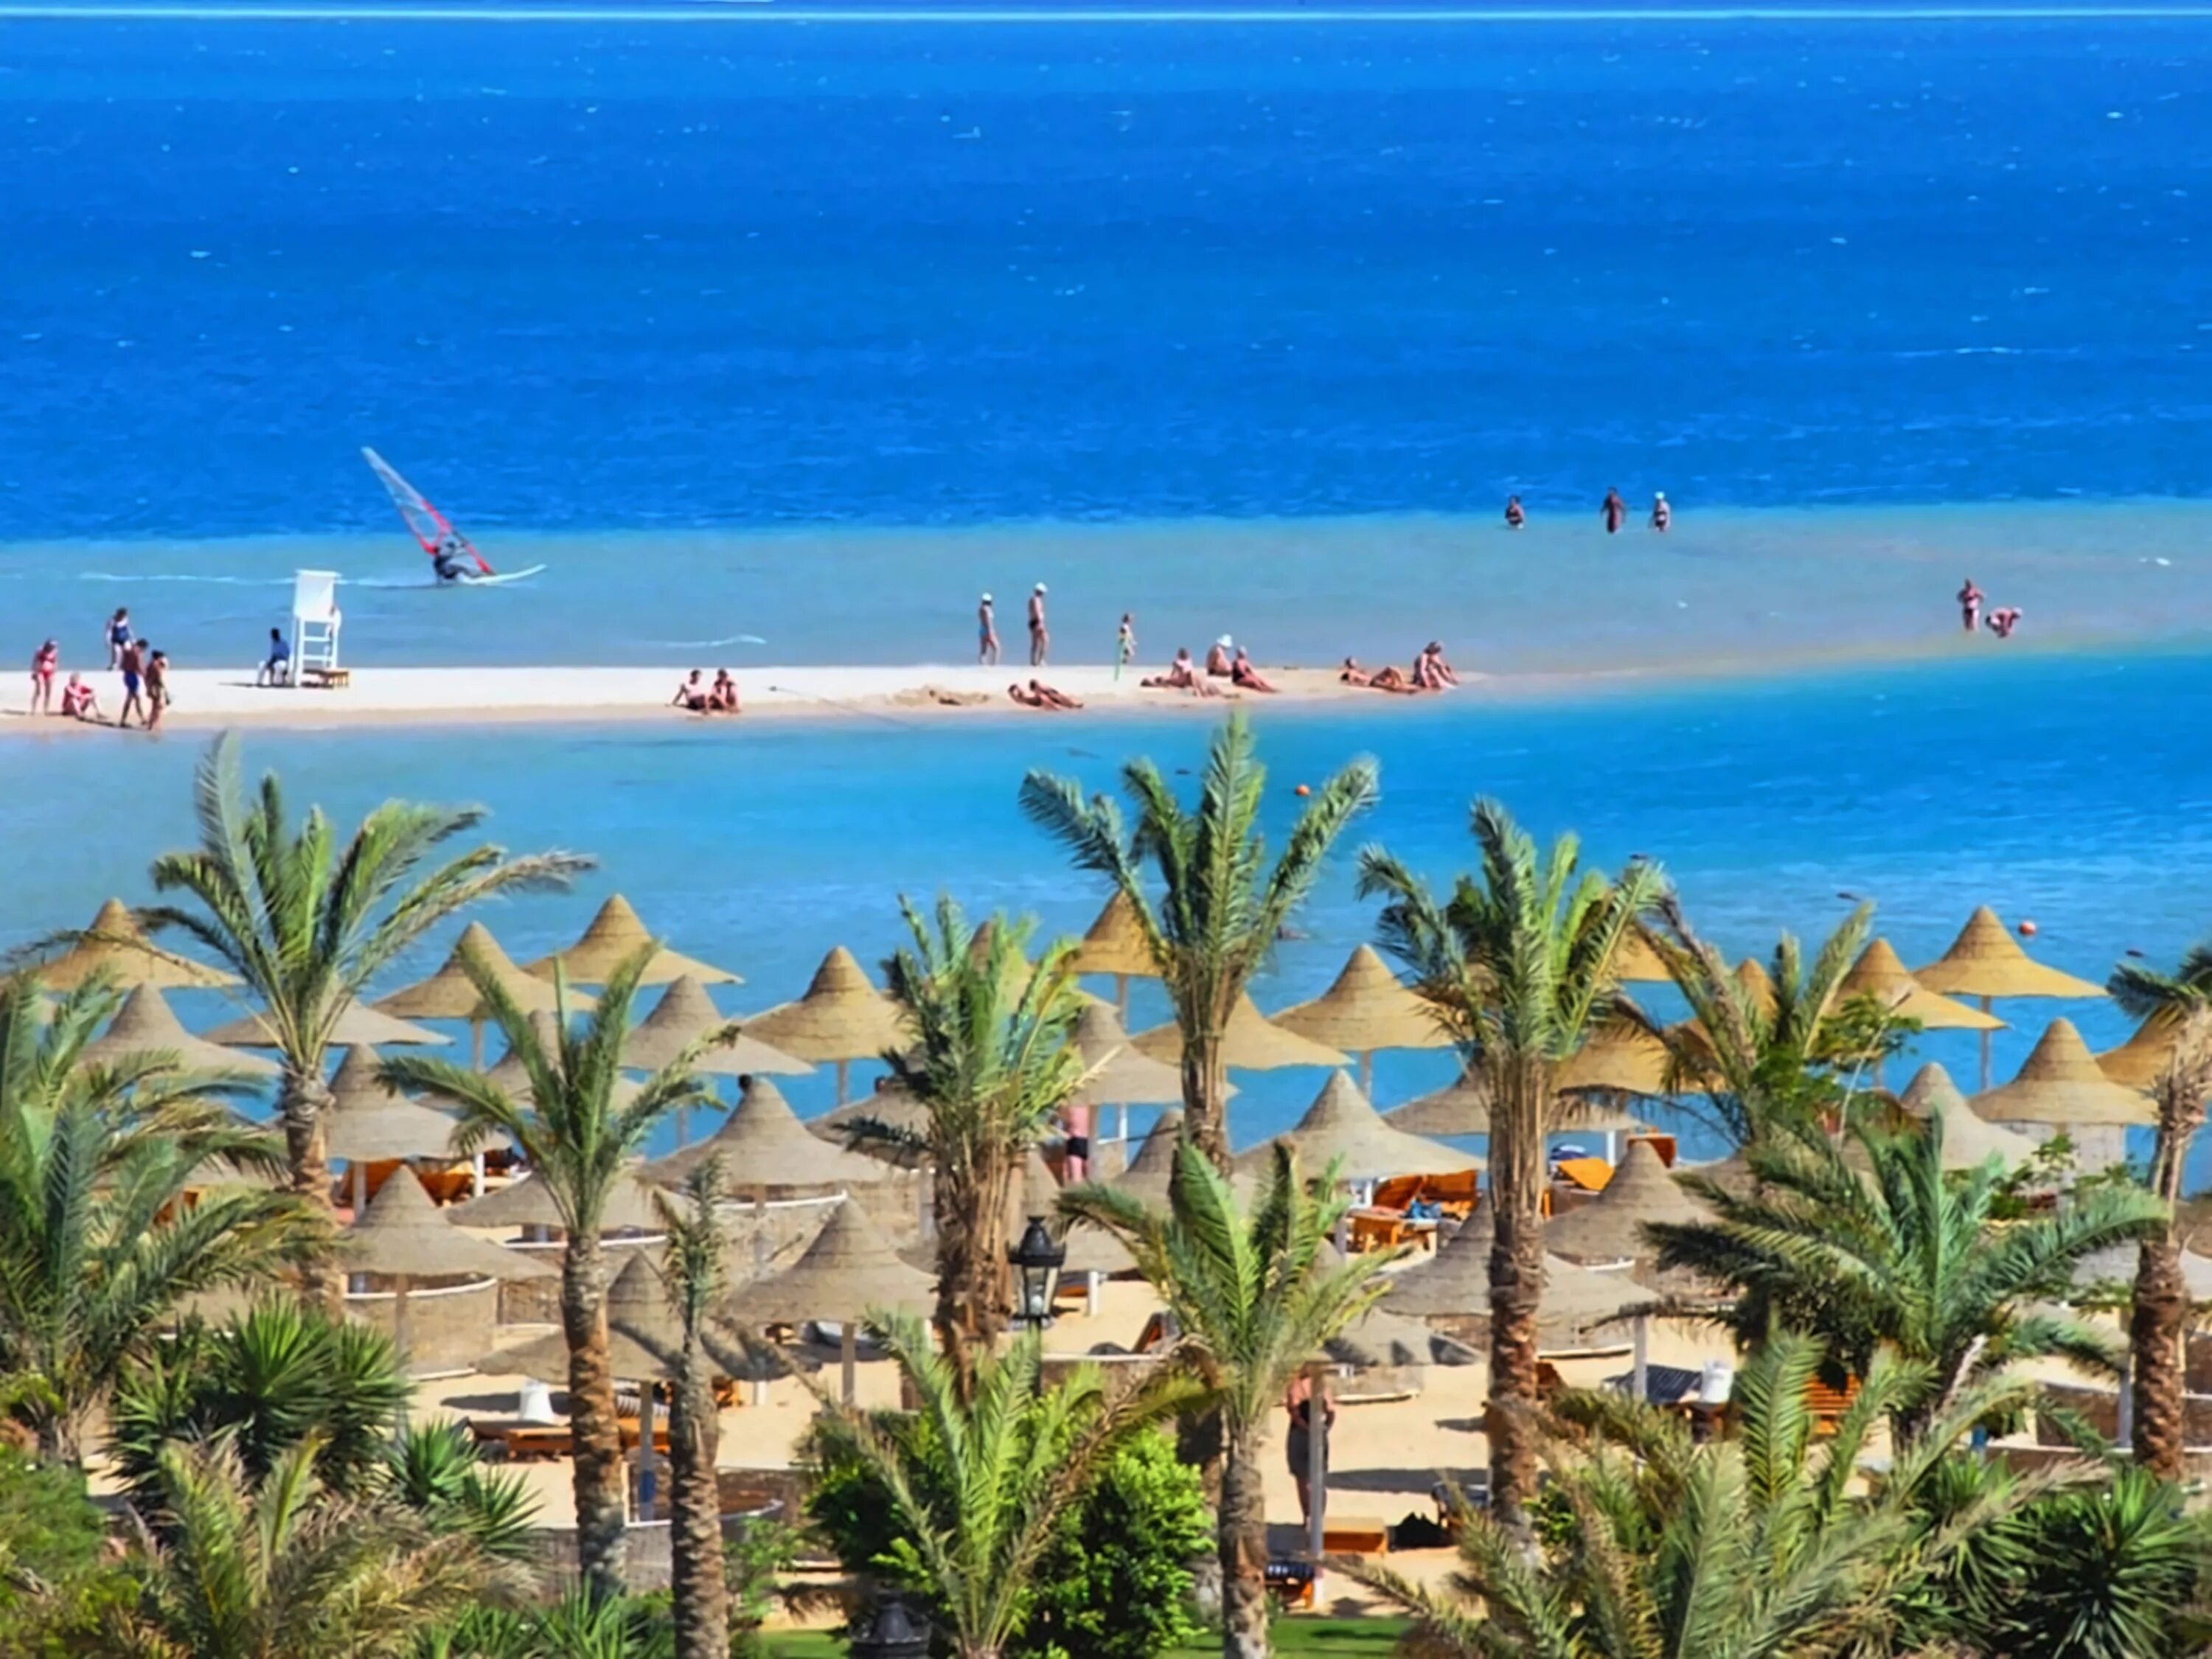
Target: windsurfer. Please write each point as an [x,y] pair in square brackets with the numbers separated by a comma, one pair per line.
[444,559]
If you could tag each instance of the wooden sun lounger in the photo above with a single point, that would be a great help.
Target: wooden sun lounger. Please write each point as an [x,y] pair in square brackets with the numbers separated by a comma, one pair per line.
[524,1442]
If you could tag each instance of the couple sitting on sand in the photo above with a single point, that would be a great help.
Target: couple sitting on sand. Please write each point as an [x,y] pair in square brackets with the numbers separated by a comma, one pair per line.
[720,698]
[1430,673]
[1038,695]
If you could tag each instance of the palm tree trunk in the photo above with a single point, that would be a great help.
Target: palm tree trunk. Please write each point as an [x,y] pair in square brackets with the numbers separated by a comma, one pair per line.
[301,1101]
[1516,1281]
[1206,1093]
[2155,1330]
[1242,1530]
[701,1590]
[970,1201]
[601,1502]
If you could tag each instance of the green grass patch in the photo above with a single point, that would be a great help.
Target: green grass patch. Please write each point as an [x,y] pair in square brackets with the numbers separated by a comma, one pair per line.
[1294,1639]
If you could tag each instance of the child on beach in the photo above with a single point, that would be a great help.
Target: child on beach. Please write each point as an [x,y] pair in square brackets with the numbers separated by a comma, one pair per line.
[131,660]
[1125,644]
[43,663]
[118,635]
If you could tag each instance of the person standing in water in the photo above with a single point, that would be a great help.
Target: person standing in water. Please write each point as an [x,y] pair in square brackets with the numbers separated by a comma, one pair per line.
[1125,644]
[1039,635]
[1616,512]
[1515,516]
[1661,514]
[1970,605]
[987,633]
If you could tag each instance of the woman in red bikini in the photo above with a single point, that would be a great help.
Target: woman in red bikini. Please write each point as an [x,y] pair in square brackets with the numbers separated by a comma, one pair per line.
[44,666]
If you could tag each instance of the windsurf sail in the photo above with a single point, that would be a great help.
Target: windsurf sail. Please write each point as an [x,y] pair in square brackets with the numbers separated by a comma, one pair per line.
[432,528]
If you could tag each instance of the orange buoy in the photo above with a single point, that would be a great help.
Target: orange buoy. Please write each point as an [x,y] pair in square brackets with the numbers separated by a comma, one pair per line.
[2027,930]
[1303,790]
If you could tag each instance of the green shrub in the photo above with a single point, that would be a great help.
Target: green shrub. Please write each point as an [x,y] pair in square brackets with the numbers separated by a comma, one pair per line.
[55,1580]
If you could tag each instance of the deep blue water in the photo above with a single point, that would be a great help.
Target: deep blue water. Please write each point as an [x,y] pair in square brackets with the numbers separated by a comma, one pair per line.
[2068,791]
[608,274]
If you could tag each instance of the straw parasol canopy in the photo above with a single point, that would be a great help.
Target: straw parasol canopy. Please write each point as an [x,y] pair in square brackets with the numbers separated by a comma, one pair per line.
[1970,1139]
[762,1145]
[1636,963]
[450,994]
[616,935]
[116,946]
[842,1018]
[1146,1178]
[1116,944]
[1881,973]
[367,1119]
[402,1234]
[359,1023]
[686,1015]
[526,1203]
[1120,1074]
[645,1340]
[1342,1126]
[2142,1060]
[1455,1283]
[1463,1108]
[2060,1083]
[1610,1227]
[1250,1041]
[1366,1009]
[1617,1059]
[891,1104]
[145,1025]
[1985,961]
[848,1271]
[511,1076]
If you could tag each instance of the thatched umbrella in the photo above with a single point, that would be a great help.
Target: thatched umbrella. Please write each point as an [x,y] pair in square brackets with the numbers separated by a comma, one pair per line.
[511,1076]
[1463,1108]
[1366,1009]
[117,946]
[359,1023]
[1115,945]
[403,1236]
[1146,1178]
[645,1338]
[1250,1041]
[1617,1059]
[890,1104]
[1089,1249]
[1879,973]
[368,1120]
[686,1014]
[1455,1283]
[450,994]
[843,1017]
[526,1203]
[616,935]
[1985,961]
[1610,1227]
[1970,1139]
[1636,963]
[2143,1060]
[1120,1074]
[2060,1083]
[763,1147]
[145,1025]
[1342,1126]
[849,1272]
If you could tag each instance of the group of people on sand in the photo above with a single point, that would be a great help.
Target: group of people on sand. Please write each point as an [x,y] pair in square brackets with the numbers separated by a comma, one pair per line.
[1431,672]
[1224,661]
[145,680]
[2000,621]
[699,698]
[1613,511]
[986,631]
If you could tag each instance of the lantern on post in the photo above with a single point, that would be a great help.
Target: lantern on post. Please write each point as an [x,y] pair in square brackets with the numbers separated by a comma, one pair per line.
[1037,1260]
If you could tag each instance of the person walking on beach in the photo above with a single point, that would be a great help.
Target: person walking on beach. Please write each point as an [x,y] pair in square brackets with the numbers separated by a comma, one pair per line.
[1970,605]
[1515,516]
[1125,644]
[118,635]
[131,660]
[1298,1446]
[157,688]
[44,664]
[986,632]
[1661,514]
[1616,512]
[1039,635]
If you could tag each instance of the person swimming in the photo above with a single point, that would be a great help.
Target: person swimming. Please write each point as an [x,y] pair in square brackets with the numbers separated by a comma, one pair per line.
[1615,511]
[1515,516]
[1970,604]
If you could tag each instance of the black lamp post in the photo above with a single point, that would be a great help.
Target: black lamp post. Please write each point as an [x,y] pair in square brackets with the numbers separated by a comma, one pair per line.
[1037,1260]
[893,1633]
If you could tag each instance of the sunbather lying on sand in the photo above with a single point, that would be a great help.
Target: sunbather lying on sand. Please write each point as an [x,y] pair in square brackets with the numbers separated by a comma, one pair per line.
[1038,695]
[1241,674]
[1182,676]
[1383,679]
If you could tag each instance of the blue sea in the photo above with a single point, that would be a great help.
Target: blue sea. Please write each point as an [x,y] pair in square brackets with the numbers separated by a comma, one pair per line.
[780,332]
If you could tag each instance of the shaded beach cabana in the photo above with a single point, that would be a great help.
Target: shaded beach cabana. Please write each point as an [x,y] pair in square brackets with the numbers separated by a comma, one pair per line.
[146,1024]
[1460,1109]
[368,1122]
[1367,1008]
[1455,1283]
[849,1272]
[115,945]
[1970,1139]
[1881,973]
[1985,961]
[615,935]
[1610,1227]
[1120,1073]
[450,994]
[842,1018]
[1113,947]
[1343,1127]
[2060,1083]
[685,1014]
[402,1236]
[2143,1060]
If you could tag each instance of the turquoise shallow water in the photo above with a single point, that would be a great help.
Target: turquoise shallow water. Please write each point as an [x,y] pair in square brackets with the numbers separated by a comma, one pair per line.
[2069,790]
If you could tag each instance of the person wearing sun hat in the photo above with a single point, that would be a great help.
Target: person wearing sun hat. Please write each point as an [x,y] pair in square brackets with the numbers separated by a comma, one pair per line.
[986,632]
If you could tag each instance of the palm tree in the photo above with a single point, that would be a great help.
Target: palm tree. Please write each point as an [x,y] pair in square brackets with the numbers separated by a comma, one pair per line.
[1223,906]
[1519,964]
[1872,1247]
[579,1140]
[1769,1050]
[306,923]
[1255,1298]
[981,1478]
[992,1064]
[99,1245]
[695,1277]
[285,1569]
[1762,1544]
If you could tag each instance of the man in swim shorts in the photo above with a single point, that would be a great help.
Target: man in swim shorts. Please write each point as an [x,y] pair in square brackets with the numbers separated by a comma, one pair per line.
[132,663]
[1039,635]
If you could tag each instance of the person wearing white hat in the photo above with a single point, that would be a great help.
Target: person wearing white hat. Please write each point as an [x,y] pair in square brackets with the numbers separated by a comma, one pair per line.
[1216,658]
[1040,637]
[986,632]
[1661,514]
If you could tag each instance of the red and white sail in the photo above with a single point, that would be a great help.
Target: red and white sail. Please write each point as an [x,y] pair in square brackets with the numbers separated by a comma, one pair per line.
[432,528]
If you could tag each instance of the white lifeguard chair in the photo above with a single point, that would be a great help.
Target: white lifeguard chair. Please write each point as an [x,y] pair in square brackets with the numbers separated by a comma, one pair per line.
[315,623]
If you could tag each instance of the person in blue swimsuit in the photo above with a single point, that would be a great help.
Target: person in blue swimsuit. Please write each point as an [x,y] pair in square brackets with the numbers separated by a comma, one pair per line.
[118,635]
